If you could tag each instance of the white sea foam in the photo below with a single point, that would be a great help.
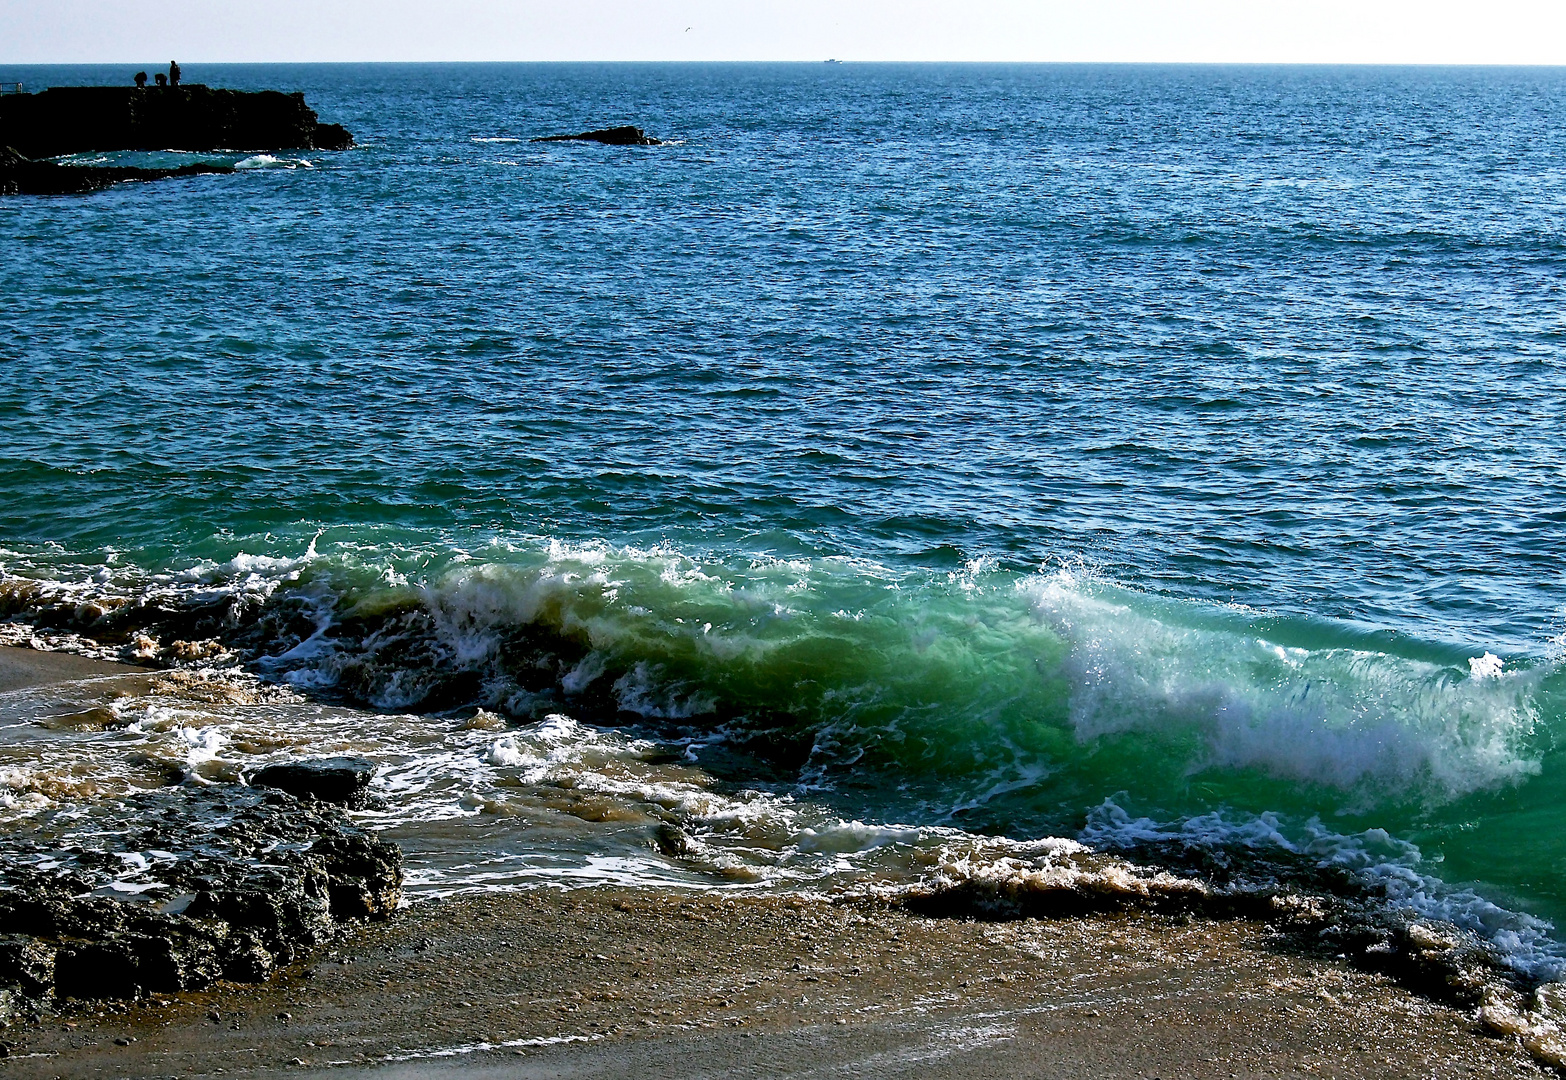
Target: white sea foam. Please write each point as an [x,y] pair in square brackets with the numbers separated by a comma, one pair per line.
[480,1047]
[1487,666]
[271,161]
[1331,715]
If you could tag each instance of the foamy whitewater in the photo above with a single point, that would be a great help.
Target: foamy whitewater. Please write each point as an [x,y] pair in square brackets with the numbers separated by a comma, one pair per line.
[907,476]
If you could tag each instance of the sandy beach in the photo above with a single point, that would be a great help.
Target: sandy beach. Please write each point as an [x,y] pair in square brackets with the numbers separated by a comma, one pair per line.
[610,983]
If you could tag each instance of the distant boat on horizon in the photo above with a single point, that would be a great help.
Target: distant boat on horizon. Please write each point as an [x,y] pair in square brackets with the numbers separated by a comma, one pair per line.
[831,61]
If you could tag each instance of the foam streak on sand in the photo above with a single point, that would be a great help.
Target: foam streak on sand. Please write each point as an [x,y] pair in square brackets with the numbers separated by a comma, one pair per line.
[480,1047]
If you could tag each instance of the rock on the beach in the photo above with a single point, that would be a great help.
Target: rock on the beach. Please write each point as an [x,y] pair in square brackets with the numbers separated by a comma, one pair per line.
[343,781]
[364,875]
[246,881]
[21,175]
[615,136]
[158,955]
[26,963]
[283,908]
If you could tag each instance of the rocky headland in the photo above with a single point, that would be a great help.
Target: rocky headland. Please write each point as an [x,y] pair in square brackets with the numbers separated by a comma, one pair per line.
[74,119]
[78,119]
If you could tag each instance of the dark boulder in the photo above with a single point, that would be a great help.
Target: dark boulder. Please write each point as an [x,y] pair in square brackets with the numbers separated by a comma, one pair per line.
[246,959]
[27,964]
[244,882]
[363,875]
[330,137]
[72,119]
[616,136]
[342,781]
[22,176]
[51,910]
[170,954]
[285,908]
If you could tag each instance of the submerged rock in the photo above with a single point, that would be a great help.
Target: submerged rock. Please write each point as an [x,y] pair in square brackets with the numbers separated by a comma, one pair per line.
[208,884]
[342,781]
[615,136]
[21,175]
[72,119]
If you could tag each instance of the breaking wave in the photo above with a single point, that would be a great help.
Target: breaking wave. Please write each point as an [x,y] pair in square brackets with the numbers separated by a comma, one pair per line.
[971,702]
[976,673]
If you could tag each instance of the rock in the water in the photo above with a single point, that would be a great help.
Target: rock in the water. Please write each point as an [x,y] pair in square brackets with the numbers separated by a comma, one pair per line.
[71,119]
[343,781]
[22,176]
[615,136]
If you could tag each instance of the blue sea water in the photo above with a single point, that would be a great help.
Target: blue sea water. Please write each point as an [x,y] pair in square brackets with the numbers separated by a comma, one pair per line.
[1114,451]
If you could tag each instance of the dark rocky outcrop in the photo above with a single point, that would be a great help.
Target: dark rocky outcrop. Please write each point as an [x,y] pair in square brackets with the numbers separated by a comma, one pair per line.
[616,136]
[22,176]
[73,119]
[239,882]
[340,780]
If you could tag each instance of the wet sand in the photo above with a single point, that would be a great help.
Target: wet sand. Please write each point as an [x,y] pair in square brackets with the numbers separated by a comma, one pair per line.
[22,669]
[619,983]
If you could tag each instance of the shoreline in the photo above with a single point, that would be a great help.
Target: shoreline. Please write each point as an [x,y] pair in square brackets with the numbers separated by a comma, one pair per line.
[615,982]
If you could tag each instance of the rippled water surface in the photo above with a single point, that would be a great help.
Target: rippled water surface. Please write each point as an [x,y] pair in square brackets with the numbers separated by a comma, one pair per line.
[980,450]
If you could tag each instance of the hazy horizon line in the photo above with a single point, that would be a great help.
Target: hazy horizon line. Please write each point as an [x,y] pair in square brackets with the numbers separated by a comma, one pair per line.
[826,60]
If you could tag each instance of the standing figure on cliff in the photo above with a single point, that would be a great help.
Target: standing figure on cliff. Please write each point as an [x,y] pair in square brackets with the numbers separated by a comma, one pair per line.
[141,80]
[173,73]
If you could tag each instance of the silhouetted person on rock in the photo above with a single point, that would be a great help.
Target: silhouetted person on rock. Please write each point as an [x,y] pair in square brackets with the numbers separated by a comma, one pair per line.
[173,73]
[141,80]
[163,80]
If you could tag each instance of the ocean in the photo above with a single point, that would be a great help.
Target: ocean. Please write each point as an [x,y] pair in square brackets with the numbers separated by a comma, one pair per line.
[899,467]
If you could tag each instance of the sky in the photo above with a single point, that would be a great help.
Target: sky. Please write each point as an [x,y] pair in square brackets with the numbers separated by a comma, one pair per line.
[1244,31]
